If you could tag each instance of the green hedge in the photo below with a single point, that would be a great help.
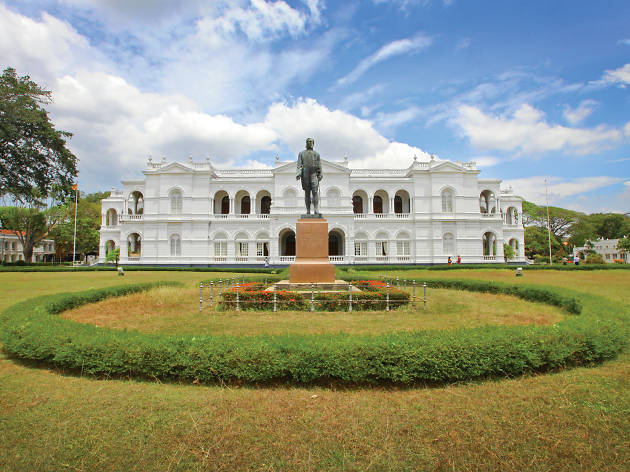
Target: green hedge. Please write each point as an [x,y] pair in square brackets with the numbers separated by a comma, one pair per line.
[513,266]
[137,268]
[30,331]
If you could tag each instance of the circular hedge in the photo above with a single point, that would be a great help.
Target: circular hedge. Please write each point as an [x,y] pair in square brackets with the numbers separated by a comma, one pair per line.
[30,331]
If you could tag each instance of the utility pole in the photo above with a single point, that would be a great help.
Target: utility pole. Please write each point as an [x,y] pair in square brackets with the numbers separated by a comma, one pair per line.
[548,222]
[75,187]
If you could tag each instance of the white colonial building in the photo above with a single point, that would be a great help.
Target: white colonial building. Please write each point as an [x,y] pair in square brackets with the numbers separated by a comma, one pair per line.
[190,213]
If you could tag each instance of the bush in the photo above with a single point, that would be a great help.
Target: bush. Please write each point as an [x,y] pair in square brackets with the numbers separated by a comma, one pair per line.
[29,331]
[594,259]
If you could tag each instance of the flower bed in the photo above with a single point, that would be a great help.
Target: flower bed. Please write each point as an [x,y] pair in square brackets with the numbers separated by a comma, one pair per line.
[373,296]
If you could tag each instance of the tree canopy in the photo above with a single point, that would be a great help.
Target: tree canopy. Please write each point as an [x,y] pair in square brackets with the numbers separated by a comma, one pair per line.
[33,154]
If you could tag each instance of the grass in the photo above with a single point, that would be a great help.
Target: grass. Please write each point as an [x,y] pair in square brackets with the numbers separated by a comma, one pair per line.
[175,310]
[577,419]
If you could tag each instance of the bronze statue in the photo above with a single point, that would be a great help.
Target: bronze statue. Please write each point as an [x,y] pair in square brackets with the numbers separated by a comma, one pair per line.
[309,169]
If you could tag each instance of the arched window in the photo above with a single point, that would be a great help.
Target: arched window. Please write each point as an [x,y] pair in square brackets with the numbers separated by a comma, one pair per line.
[357,204]
[398,204]
[176,202]
[487,202]
[136,203]
[448,244]
[176,245]
[225,205]
[265,205]
[245,205]
[447,201]
[111,218]
[378,204]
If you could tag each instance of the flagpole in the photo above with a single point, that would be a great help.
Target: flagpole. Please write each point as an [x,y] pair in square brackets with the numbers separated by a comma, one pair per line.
[76,199]
[548,222]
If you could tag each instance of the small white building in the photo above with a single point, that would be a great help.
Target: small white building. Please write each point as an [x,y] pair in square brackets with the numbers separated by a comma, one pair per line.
[11,248]
[607,248]
[191,213]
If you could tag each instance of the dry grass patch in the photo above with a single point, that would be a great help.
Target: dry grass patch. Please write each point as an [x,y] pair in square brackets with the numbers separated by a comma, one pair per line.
[176,310]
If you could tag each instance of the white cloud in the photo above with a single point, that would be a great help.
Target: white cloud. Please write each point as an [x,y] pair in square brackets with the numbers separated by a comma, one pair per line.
[533,188]
[528,132]
[486,161]
[42,49]
[624,41]
[261,21]
[388,121]
[337,134]
[576,115]
[117,124]
[626,129]
[620,76]
[394,48]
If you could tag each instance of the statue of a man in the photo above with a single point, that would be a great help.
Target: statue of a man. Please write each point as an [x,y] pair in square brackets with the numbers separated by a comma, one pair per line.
[309,169]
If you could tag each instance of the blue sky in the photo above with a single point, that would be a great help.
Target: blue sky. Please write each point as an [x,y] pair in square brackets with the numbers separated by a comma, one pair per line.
[528,90]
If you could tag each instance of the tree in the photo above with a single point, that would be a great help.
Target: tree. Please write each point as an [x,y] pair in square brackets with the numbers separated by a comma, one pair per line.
[33,154]
[581,231]
[611,225]
[32,223]
[508,252]
[36,168]
[560,219]
[88,225]
[537,242]
[624,245]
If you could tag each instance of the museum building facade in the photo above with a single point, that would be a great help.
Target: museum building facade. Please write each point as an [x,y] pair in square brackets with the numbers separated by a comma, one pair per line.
[191,213]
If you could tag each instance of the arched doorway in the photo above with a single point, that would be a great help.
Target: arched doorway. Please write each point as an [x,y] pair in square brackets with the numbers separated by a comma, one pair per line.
[489,242]
[336,243]
[134,245]
[287,242]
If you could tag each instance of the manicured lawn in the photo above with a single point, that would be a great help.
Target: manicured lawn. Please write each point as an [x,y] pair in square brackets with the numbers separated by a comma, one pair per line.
[578,419]
[176,310]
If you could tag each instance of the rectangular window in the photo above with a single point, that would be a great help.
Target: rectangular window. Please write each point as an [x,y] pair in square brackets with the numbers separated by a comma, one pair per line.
[220,249]
[381,248]
[243,249]
[260,249]
[402,248]
[360,248]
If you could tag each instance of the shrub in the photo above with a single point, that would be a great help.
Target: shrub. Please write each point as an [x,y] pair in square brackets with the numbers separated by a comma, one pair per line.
[28,330]
[594,259]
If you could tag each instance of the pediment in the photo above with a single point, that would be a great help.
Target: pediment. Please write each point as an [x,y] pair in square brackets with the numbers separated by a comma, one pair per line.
[175,168]
[447,166]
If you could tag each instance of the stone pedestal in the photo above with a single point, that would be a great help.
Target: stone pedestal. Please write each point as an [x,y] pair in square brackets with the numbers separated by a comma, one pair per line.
[311,256]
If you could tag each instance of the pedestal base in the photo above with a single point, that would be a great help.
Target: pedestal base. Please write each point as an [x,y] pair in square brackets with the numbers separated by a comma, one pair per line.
[311,259]
[305,271]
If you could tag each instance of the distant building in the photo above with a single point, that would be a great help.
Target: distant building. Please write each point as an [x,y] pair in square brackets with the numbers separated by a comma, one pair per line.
[607,248]
[190,213]
[11,248]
